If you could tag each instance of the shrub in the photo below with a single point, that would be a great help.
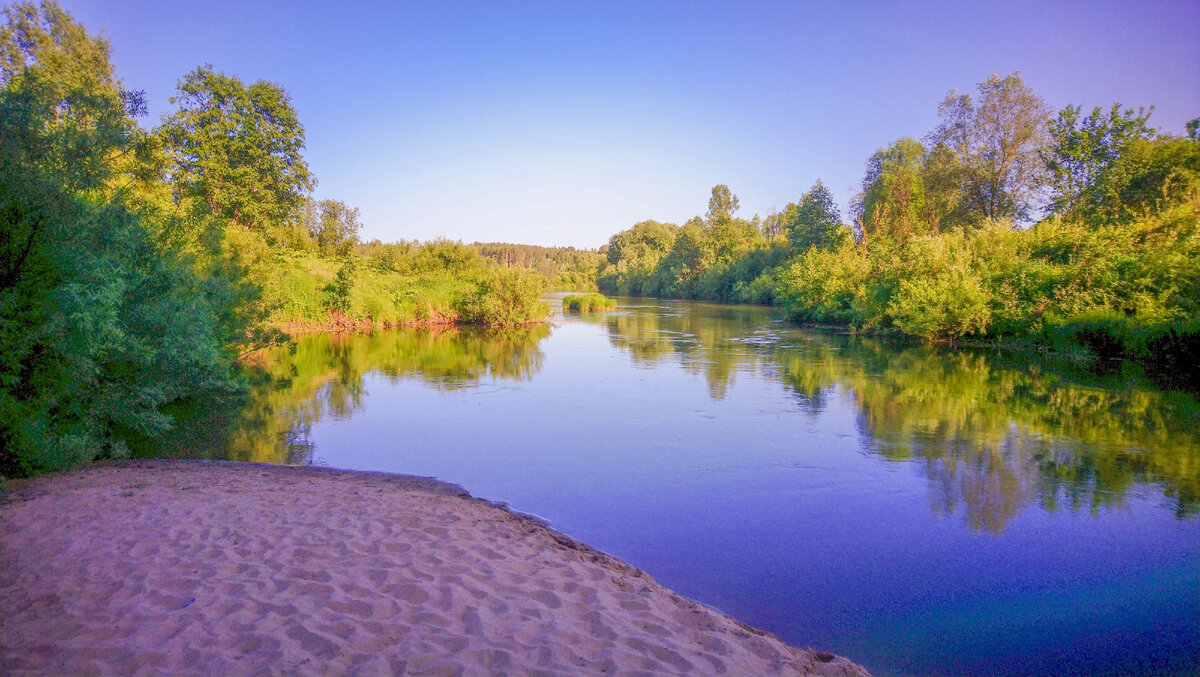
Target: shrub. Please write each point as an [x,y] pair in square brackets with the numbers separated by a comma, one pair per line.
[587,303]
[504,297]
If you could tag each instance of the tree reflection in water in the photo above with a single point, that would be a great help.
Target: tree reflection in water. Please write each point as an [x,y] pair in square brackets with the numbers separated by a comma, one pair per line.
[322,375]
[992,433]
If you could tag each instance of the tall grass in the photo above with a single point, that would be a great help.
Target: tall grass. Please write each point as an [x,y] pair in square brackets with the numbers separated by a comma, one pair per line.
[588,303]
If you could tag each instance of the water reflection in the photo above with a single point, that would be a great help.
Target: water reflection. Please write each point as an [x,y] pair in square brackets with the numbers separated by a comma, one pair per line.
[322,376]
[993,434]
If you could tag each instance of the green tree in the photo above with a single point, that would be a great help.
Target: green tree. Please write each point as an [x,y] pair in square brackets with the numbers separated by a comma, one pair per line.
[815,221]
[64,111]
[998,141]
[722,204]
[1150,176]
[101,328]
[335,227]
[341,290]
[1082,148]
[633,255]
[893,200]
[679,272]
[237,150]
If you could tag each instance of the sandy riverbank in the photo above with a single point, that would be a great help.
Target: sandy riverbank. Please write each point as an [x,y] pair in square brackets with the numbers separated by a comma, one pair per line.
[185,567]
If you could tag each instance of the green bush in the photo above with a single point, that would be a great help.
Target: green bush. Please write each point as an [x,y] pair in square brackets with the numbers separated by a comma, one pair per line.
[824,286]
[587,303]
[504,297]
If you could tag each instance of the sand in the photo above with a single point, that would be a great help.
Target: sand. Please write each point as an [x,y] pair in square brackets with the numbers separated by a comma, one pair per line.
[206,568]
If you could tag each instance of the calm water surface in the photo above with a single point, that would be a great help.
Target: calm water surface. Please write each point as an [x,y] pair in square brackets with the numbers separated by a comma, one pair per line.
[921,512]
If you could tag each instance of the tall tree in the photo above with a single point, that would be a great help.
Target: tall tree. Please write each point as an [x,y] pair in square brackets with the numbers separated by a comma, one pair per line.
[815,221]
[99,325]
[1081,148]
[237,149]
[65,113]
[998,141]
[335,227]
[894,190]
[722,204]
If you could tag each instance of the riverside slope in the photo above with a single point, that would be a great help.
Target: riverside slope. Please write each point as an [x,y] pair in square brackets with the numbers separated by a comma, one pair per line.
[205,568]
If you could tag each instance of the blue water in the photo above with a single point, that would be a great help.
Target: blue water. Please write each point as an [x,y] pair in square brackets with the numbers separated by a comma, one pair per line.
[884,503]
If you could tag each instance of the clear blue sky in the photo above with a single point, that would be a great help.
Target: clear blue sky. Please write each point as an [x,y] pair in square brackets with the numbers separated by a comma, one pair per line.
[562,122]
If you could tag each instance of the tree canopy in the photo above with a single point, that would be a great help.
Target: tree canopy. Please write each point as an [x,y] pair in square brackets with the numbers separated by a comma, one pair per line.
[237,149]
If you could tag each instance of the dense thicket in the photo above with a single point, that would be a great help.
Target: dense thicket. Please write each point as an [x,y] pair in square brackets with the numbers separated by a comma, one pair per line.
[137,266]
[102,321]
[943,245]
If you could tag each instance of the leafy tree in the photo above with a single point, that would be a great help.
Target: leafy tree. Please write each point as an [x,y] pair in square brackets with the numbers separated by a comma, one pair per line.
[942,178]
[100,326]
[64,111]
[998,141]
[1150,176]
[894,191]
[692,254]
[236,149]
[722,204]
[644,243]
[342,288]
[815,221]
[633,255]
[1082,148]
[445,256]
[335,228]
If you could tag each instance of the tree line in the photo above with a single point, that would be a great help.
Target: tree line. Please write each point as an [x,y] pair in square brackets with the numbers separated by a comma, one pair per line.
[1005,223]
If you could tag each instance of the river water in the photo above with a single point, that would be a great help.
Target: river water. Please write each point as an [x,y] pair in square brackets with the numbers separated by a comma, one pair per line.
[921,511]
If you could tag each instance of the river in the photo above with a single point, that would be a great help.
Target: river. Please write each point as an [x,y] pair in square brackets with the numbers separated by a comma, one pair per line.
[919,510]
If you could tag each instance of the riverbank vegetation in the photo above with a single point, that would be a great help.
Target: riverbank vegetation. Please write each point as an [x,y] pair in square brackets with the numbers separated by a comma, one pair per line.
[138,265]
[588,303]
[1005,224]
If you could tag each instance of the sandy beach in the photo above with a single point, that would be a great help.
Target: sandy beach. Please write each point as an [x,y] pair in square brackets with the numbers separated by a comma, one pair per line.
[203,568]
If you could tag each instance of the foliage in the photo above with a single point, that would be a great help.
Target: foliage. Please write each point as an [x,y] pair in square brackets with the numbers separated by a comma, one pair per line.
[633,256]
[815,221]
[587,303]
[101,326]
[942,251]
[997,142]
[1150,176]
[137,267]
[893,198]
[941,296]
[567,267]
[722,204]
[825,287]
[334,228]
[236,150]
[505,297]
[1081,149]
[342,287]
